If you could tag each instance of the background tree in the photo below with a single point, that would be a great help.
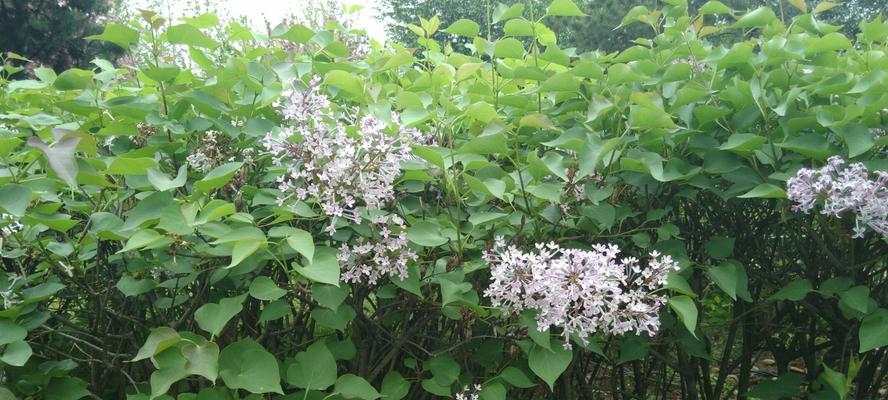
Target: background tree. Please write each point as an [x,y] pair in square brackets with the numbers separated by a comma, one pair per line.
[51,32]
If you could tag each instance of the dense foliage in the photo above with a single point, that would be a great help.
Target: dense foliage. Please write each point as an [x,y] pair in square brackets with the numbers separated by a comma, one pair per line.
[596,30]
[297,216]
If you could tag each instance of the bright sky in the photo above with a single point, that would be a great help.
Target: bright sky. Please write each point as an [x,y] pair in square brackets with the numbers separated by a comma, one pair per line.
[258,10]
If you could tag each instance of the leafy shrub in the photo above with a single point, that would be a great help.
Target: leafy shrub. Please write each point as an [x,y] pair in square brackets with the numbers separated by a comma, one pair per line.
[418,223]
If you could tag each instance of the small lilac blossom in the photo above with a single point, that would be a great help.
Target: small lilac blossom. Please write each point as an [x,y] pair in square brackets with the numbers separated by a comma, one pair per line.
[10,225]
[10,298]
[325,163]
[369,260]
[583,292]
[840,189]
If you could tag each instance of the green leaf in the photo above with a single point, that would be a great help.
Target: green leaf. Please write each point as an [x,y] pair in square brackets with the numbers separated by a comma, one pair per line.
[517,377]
[508,48]
[297,33]
[203,359]
[344,81]
[686,310]
[73,79]
[444,369]
[793,291]
[60,157]
[244,248]
[394,386]
[16,354]
[743,143]
[263,288]
[563,82]
[118,34]
[130,166]
[647,118]
[274,311]
[541,338]
[800,5]
[130,286]
[219,176]
[764,191]
[158,340]
[323,268]
[484,217]
[858,139]
[246,365]
[564,8]
[337,319]
[426,234]
[313,369]
[714,7]
[482,111]
[874,331]
[486,144]
[65,388]
[141,239]
[328,295]
[11,332]
[160,181]
[719,246]
[212,317]
[464,27]
[732,279]
[189,35]
[756,18]
[785,386]
[302,242]
[504,12]
[856,298]
[354,387]
[812,145]
[549,364]
[14,199]
[41,292]
[493,391]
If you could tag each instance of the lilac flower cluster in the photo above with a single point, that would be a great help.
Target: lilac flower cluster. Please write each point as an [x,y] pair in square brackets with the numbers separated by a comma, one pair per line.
[581,291]
[843,189]
[469,393]
[385,255]
[323,162]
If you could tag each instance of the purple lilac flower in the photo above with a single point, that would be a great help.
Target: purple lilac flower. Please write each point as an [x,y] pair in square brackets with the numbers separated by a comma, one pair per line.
[341,172]
[581,291]
[387,254]
[843,189]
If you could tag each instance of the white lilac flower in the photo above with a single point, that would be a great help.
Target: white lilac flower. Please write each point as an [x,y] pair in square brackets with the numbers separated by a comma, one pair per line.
[369,260]
[843,189]
[10,298]
[323,162]
[10,225]
[583,292]
[469,393]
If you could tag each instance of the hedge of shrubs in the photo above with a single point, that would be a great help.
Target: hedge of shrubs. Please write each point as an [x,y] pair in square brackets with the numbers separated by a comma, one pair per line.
[306,215]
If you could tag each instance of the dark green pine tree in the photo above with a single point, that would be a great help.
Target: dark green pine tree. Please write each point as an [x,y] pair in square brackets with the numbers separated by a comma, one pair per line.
[51,32]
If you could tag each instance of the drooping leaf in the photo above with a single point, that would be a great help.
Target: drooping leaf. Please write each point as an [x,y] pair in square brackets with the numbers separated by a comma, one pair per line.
[549,364]
[60,157]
